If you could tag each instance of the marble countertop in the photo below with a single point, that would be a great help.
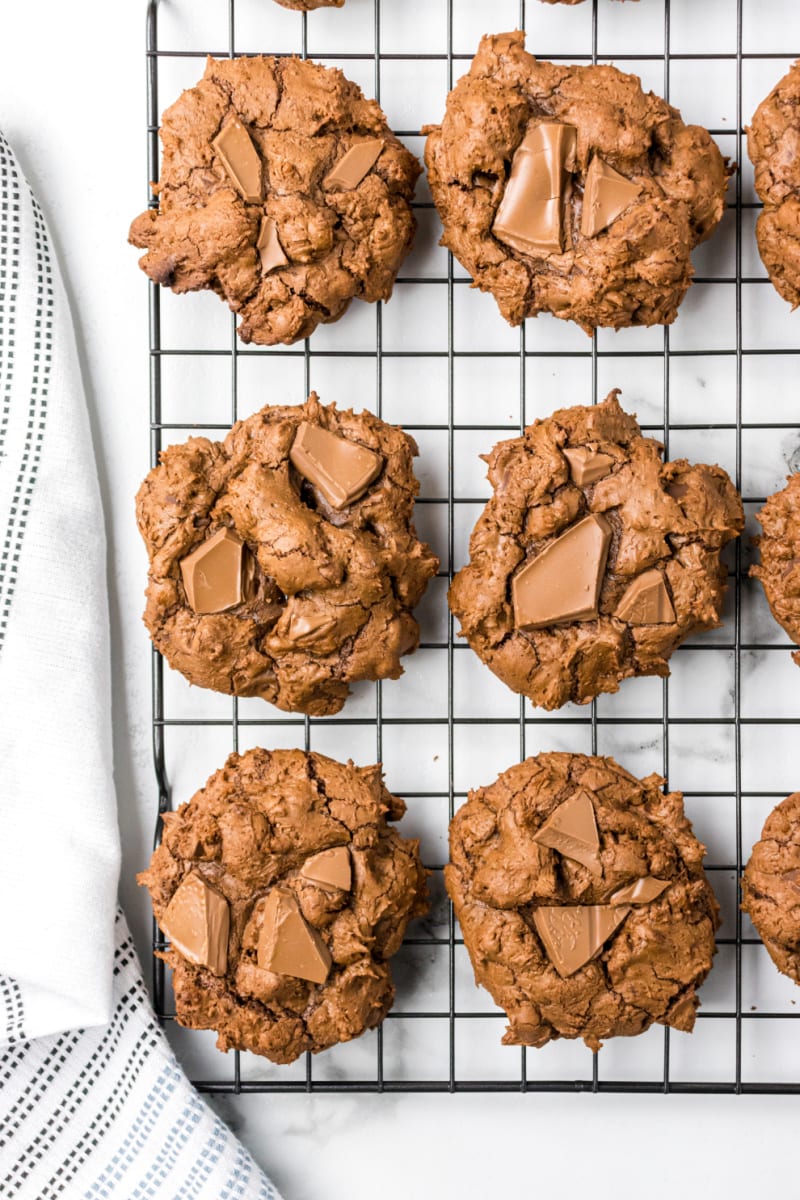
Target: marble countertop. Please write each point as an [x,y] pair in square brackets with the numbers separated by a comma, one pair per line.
[72,105]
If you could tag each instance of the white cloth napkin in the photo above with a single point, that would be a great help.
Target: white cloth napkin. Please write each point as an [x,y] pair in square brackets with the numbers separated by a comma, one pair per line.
[104,1111]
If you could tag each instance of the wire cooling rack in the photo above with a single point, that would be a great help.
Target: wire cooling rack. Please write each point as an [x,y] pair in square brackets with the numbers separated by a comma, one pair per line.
[718,386]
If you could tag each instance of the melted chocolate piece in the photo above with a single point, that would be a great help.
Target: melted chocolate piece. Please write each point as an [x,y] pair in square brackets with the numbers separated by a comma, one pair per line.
[342,470]
[214,575]
[530,218]
[330,869]
[641,891]
[354,165]
[197,921]
[288,945]
[563,582]
[606,195]
[646,601]
[240,159]
[269,247]
[587,465]
[573,934]
[572,830]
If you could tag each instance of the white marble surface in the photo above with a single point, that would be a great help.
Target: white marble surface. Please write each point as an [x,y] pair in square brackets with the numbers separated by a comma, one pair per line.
[72,104]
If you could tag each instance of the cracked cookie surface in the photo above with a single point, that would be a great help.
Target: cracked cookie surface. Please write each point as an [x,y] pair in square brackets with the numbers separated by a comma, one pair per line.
[779,569]
[292,249]
[773,143]
[771,886]
[251,833]
[504,879]
[632,269]
[330,590]
[666,525]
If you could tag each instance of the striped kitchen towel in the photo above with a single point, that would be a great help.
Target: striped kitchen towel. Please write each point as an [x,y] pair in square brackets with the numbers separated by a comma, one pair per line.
[92,1100]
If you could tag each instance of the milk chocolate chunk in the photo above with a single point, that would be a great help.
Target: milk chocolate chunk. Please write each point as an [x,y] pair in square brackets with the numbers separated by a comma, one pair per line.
[354,165]
[530,218]
[307,627]
[572,935]
[646,601]
[214,573]
[563,582]
[240,159]
[587,465]
[606,195]
[288,945]
[196,921]
[641,891]
[342,470]
[331,869]
[572,831]
[269,247]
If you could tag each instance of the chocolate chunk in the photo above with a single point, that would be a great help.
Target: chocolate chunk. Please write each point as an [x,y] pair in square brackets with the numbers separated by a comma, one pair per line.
[563,582]
[269,247]
[288,945]
[646,601]
[572,935]
[572,831]
[308,627]
[587,465]
[641,891]
[240,159]
[342,470]
[213,573]
[606,194]
[354,165]
[196,921]
[331,869]
[530,216]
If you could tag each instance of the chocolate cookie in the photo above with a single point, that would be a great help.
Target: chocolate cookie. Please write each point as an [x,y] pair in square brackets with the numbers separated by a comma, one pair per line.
[309,5]
[779,570]
[284,893]
[582,900]
[772,143]
[567,189]
[593,560]
[771,886]
[284,562]
[283,190]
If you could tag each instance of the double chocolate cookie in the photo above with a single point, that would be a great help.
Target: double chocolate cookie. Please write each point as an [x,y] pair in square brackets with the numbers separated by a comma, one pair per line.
[771,886]
[779,570]
[593,560]
[582,899]
[773,140]
[569,190]
[284,562]
[284,893]
[283,190]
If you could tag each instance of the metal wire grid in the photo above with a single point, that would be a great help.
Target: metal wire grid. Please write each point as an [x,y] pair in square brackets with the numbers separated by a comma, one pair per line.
[453,1019]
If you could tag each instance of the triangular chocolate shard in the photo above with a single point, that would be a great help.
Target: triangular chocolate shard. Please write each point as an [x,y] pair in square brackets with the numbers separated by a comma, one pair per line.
[572,831]
[646,601]
[353,166]
[587,465]
[197,921]
[606,194]
[287,944]
[573,935]
[563,582]
[330,869]
[641,891]
[269,247]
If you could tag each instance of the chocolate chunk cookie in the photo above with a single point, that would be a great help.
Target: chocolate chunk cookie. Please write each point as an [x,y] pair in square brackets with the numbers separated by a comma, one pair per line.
[593,560]
[771,886]
[284,562]
[773,141]
[284,893]
[283,190]
[582,900]
[779,570]
[310,5]
[567,189]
